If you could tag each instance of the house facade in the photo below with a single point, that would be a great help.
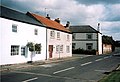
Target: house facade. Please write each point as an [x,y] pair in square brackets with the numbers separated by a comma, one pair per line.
[87,38]
[16,30]
[59,39]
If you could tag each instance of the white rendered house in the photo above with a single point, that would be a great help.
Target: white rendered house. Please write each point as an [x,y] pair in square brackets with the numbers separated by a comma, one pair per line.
[16,30]
[59,39]
[87,38]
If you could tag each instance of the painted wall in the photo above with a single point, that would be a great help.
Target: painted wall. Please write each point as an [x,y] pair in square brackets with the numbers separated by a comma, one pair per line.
[107,48]
[61,41]
[81,40]
[25,34]
[100,43]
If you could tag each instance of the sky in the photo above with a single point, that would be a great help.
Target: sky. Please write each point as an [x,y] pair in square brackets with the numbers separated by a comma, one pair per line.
[78,12]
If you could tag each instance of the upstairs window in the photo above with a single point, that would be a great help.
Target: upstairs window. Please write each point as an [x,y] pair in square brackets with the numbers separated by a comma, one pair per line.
[68,37]
[52,34]
[58,35]
[14,28]
[89,36]
[36,31]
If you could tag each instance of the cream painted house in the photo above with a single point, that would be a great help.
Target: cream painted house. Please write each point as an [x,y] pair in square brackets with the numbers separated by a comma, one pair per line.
[87,38]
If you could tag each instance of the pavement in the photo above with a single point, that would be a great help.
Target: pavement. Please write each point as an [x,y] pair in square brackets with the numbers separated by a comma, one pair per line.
[10,67]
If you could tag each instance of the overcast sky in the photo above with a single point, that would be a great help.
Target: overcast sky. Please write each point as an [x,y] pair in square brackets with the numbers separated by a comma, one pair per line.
[78,12]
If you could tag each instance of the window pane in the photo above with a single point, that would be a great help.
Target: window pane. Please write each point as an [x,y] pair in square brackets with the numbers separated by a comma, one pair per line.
[14,28]
[36,31]
[14,50]
[23,51]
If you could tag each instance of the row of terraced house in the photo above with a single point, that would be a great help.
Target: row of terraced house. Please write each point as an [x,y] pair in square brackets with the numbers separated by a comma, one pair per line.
[53,40]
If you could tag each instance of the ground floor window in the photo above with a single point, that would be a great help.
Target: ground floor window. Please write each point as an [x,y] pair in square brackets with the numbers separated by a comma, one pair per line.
[61,48]
[14,50]
[57,48]
[68,49]
[73,45]
[37,52]
[89,46]
[23,51]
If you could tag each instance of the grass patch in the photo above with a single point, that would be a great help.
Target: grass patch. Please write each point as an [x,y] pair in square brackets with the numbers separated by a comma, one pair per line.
[112,77]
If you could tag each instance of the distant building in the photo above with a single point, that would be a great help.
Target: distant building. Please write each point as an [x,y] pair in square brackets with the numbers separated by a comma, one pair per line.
[108,44]
[86,37]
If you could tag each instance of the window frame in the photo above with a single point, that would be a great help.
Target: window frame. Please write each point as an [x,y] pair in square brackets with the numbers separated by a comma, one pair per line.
[52,34]
[14,51]
[14,28]
[23,50]
[89,36]
[89,45]
[35,31]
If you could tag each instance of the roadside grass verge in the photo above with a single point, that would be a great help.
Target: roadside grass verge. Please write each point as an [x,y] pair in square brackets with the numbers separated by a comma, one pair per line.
[114,76]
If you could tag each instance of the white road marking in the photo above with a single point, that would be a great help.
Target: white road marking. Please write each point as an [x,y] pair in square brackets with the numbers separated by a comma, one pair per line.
[99,59]
[86,63]
[106,57]
[101,70]
[63,70]
[30,79]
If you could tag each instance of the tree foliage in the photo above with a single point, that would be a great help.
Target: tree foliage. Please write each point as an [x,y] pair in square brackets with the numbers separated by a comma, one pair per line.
[33,47]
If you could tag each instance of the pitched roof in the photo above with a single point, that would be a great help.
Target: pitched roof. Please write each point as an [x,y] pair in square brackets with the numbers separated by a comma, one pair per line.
[17,16]
[82,29]
[49,23]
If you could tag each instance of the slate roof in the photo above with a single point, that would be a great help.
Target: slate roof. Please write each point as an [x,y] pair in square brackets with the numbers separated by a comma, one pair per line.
[49,23]
[82,29]
[17,16]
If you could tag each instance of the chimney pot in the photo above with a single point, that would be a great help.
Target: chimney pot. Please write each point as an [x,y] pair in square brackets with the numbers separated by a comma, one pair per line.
[48,17]
[57,20]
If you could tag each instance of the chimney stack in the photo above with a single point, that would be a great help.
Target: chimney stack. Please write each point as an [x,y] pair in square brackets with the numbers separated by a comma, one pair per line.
[98,27]
[57,20]
[48,17]
[67,25]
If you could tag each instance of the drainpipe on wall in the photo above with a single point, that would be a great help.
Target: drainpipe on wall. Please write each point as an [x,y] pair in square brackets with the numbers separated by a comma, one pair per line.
[46,44]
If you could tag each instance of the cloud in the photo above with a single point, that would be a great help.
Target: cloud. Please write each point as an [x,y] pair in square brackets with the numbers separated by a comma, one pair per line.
[112,13]
[91,2]
[76,11]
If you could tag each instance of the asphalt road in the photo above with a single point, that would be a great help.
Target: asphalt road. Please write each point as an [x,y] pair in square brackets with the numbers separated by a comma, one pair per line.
[89,69]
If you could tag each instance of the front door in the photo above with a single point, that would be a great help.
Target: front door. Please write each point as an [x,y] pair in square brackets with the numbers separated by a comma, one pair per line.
[50,51]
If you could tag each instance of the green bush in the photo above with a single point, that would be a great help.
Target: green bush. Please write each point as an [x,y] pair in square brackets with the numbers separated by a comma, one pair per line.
[82,51]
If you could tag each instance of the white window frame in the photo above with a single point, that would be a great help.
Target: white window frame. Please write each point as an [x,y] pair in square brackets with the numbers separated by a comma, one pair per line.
[52,34]
[23,50]
[89,36]
[14,28]
[89,45]
[68,49]
[68,37]
[58,35]
[14,50]
[36,31]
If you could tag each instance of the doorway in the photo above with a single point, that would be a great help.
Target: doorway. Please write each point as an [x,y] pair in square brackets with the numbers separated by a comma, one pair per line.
[50,51]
